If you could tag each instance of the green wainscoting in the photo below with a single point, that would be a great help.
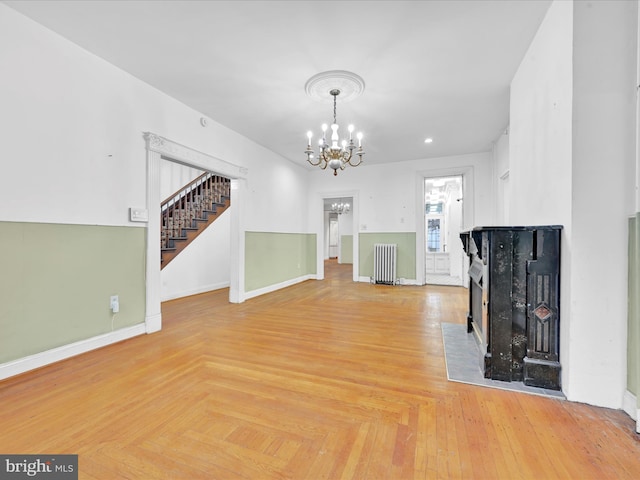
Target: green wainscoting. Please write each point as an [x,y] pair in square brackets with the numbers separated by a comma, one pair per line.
[633,324]
[406,242]
[273,258]
[346,248]
[57,280]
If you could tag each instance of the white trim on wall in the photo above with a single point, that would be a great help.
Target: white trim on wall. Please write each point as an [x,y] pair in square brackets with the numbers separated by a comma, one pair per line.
[158,147]
[630,407]
[278,286]
[319,220]
[468,195]
[41,359]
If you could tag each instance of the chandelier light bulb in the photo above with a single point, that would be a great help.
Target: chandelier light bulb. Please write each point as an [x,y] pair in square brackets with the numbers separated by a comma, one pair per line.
[309,135]
[340,208]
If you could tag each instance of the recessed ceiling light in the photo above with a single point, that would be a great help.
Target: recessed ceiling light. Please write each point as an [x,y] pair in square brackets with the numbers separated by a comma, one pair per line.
[428,140]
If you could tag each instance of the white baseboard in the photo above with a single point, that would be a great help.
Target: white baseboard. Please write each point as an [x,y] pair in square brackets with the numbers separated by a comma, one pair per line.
[277,286]
[443,280]
[401,281]
[194,291]
[22,365]
[630,406]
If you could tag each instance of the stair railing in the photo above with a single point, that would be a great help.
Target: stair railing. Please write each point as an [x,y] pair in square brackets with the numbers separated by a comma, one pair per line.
[191,202]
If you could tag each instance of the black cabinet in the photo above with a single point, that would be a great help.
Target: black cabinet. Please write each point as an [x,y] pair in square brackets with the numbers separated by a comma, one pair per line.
[514,302]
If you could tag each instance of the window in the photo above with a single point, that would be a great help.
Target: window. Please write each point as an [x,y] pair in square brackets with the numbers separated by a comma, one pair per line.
[434,208]
[433,235]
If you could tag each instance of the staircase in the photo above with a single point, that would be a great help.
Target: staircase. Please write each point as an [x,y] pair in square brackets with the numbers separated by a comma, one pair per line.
[189,211]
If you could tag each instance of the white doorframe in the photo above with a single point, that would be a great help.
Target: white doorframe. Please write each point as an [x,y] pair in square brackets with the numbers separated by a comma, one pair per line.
[319,221]
[157,148]
[467,211]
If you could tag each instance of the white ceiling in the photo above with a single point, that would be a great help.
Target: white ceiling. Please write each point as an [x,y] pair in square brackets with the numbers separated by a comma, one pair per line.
[437,69]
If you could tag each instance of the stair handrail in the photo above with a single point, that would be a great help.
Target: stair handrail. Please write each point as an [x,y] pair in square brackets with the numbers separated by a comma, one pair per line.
[184,190]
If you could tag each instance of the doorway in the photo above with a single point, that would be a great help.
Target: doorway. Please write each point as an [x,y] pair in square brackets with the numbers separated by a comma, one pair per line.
[443,210]
[334,235]
[338,229]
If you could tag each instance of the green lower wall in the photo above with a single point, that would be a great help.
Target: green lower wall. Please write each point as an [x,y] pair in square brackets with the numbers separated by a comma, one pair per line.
[633,324]
[272,258]
[346,248]
[406,242]
[57,279]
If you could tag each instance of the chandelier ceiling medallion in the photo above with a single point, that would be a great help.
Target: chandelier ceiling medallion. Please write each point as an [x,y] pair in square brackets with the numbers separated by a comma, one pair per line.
[337,154]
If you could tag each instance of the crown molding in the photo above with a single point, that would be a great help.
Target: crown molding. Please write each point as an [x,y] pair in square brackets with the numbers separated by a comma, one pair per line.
[180,153]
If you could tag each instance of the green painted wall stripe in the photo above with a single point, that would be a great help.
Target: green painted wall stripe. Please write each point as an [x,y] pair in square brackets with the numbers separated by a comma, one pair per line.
[57,279]
[346,248]
[272,258]
[406,242]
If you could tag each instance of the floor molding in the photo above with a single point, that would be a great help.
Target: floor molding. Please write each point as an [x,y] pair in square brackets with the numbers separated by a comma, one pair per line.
[23,365]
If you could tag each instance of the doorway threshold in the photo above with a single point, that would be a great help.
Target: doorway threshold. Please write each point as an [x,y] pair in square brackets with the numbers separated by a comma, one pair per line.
[442,279]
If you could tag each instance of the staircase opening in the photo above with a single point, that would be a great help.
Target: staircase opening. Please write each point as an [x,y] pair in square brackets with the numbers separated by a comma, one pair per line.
[189,211]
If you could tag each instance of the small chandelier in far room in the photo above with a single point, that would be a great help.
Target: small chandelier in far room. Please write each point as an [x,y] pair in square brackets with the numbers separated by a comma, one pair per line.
[340,208]
[336,154]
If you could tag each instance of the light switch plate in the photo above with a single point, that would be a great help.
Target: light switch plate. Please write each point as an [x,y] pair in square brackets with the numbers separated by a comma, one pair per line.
[138,214]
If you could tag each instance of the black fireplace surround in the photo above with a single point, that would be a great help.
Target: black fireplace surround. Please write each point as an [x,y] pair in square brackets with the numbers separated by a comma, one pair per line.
[514,302]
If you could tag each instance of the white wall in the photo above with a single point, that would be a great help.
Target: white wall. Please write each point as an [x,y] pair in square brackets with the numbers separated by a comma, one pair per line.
[387,197]
[540,125]
[458,260]
[387,193]
[571,155]
[345,221]
[72,128]
[604,133]
[501,179]
[174,176]
[202,267]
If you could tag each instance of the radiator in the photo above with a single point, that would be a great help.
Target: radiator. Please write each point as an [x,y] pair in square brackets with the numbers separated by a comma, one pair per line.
[384,263]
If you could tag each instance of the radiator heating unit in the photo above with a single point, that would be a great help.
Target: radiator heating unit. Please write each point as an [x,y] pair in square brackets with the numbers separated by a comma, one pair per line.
[385,263]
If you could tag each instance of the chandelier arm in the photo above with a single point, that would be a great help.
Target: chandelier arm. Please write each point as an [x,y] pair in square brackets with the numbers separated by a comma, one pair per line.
[359,161]
[314,164]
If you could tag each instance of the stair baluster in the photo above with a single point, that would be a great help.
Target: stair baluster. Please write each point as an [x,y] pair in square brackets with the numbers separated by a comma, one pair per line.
[189,211]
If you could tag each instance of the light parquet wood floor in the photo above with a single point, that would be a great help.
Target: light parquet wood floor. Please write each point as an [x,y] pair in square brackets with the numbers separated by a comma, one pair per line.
[323,380]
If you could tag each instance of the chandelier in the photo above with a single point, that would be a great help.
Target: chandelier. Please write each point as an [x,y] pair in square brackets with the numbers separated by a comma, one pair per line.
[335,153]
[340,208]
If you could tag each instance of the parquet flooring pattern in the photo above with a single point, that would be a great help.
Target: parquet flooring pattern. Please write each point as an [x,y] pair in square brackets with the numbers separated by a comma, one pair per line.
[322,380]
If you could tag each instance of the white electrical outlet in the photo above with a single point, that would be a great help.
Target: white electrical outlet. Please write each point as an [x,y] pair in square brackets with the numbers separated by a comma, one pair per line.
[115,304]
